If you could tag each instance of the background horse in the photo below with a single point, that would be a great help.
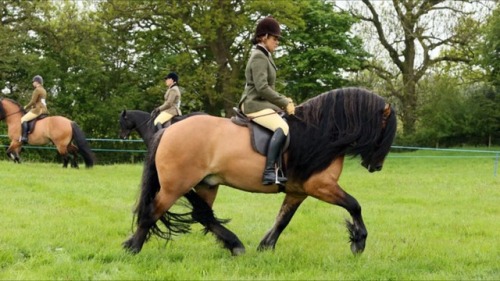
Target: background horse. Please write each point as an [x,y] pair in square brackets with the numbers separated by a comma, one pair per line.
[192,158]
[142,123]
[59,130]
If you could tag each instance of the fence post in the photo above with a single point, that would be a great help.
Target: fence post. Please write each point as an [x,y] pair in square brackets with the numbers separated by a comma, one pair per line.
[496,165]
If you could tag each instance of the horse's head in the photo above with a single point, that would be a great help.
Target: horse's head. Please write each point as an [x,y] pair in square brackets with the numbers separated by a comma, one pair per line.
[10,107]
[126,126]
[373,158]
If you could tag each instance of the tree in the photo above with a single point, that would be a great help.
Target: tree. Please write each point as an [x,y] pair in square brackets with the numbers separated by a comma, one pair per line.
[209,49]
[490,49]
[16,18]
[414,35]
[319,51]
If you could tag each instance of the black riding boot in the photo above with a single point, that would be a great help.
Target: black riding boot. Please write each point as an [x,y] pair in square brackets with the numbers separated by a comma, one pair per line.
[276,143]
[24,132]
[159,126]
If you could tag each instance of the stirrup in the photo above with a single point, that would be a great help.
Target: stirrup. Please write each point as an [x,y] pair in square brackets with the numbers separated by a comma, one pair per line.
[268,179]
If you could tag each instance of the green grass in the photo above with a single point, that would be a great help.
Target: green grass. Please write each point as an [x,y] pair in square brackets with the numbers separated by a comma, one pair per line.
[428,218]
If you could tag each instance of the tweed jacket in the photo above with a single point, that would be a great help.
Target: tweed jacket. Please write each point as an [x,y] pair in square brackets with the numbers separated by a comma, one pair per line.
[260,74]
[172,101]
[37,104]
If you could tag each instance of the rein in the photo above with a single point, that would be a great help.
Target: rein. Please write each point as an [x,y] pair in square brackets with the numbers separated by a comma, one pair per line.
[144,122]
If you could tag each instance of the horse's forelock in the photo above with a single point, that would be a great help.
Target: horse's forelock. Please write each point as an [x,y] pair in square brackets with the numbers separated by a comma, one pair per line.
[340,122]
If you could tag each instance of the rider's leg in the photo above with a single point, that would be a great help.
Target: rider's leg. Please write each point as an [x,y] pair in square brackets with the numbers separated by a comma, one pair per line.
[24,126]
[161,119]
[271,120]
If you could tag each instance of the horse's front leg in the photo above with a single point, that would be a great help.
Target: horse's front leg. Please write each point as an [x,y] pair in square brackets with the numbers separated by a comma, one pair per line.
[324,186]
[290,205]
[13,151]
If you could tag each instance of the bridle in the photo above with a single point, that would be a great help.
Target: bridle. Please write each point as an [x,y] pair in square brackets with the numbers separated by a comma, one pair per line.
[385,115]
[139,125]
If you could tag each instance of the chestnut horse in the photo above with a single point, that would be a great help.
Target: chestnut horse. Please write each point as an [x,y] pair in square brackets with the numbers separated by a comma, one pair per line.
[192,158]
[59,130]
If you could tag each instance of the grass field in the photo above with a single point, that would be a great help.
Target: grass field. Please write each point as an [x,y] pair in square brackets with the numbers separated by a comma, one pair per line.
[428,218]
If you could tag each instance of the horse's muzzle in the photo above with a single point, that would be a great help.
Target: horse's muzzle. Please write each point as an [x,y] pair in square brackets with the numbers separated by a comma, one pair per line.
[372,167]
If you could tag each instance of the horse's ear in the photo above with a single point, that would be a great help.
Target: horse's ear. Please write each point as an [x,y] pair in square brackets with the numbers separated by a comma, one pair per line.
[387,110]
[124,112]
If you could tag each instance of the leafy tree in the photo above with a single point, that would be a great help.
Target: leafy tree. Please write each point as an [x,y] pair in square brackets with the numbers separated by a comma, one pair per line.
[408,32]
[16,18]
[491,48]
[319,51]
[209,49]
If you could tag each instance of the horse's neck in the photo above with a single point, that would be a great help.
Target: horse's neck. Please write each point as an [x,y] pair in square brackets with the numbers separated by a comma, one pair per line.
[13,124]
[142,126]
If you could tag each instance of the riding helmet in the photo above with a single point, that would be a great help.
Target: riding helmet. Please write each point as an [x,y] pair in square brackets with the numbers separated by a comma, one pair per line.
[269,26]
[38,79]
[172,75]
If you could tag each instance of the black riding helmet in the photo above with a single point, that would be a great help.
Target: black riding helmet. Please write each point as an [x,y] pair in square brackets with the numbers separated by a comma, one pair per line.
[173,76]
[269,26]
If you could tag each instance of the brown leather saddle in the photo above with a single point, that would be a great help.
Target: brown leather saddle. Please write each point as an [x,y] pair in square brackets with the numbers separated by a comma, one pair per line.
[259,136]
[32,123]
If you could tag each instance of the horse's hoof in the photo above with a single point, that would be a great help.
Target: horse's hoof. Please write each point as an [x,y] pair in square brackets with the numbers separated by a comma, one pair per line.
[129,247]
[238,251]
[357,248]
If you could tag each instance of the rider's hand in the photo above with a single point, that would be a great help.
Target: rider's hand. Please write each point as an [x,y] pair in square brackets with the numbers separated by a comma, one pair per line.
[155,111]
[290,108]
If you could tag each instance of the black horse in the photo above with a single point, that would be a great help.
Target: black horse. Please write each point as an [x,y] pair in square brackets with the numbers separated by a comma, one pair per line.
[142,122]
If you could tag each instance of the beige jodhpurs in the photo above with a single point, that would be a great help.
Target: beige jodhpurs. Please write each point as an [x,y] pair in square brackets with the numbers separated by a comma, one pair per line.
[28,117]
[162,118]
[270,119]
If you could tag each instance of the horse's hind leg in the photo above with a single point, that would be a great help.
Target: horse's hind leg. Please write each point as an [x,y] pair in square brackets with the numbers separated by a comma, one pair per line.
[63,151]
[73,151]
[147,217]
[288,208]
[203,213]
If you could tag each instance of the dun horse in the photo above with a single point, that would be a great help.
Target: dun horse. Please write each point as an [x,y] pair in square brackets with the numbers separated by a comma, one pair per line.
[192,158]
[59,130]
[142,122]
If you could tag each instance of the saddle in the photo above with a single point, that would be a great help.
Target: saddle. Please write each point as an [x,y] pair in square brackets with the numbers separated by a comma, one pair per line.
[32,123]
[259,135]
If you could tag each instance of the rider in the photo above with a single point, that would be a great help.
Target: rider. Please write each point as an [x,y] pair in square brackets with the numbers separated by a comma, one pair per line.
[171,106]
[260,101]
[37,106]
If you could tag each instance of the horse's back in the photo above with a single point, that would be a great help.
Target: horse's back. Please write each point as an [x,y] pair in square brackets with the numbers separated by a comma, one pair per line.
[205,134]
[53,128]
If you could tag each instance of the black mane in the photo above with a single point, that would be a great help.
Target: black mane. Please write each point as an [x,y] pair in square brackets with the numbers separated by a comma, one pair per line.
[340,122]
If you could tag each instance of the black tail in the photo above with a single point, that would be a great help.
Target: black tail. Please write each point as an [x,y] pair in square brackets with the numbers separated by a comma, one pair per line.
[83,145]
[175,223]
